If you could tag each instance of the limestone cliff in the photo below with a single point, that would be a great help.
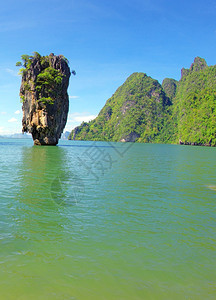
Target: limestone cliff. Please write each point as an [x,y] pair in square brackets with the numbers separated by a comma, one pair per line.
[135,112]
[198,65]
[169,86]
[43,91]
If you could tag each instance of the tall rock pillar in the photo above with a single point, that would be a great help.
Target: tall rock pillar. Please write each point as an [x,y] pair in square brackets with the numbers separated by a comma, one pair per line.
[43,91]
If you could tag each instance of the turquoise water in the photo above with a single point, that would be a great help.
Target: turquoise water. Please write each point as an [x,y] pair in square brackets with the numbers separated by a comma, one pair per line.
[112,221]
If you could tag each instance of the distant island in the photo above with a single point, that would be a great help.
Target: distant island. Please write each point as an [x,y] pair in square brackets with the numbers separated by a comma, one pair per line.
[16,136]
[143,110]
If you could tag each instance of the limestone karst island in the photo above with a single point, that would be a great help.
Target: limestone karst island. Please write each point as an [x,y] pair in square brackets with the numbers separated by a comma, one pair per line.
[143,110]
[44,96]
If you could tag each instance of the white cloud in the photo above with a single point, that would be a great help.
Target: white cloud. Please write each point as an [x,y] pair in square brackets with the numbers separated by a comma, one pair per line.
[84,118]
[75,119]
[80,117]
[17,112]
[3,113]
[12,120]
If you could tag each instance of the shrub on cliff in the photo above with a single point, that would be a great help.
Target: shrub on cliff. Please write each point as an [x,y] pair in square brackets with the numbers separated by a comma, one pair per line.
[48,80]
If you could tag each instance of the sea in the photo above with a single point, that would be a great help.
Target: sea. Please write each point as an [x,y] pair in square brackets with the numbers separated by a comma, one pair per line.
[107,221]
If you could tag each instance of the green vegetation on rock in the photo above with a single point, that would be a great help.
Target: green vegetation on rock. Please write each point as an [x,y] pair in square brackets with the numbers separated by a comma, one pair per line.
[135,112]
[142,110]
[47,82]
[195,107]
[169,86]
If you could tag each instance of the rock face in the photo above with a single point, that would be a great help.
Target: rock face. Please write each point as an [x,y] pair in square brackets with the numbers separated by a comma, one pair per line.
[135,112]
[132,137]
[198,65]
[170,86]
[45,81]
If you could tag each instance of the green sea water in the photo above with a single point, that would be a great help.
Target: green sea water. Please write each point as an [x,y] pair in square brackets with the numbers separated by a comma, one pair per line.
[107,221]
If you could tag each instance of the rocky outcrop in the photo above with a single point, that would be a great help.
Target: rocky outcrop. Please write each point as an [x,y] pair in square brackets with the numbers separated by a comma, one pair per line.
[198,65]
[135,112]
[169,86]
[75,132]
[194,143]
[43,91]
[132,137]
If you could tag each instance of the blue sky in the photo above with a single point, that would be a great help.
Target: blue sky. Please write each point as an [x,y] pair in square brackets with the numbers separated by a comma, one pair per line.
[105,41]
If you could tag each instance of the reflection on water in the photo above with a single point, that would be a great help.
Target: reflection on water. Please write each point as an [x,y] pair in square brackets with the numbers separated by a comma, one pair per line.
[46,179]
[37,216]
[38,168]
[46,188]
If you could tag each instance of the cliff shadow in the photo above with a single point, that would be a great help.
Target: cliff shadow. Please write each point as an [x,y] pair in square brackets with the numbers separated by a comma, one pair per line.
[47,179]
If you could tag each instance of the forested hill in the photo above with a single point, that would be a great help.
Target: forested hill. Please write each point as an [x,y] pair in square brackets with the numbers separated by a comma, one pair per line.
[143,110]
